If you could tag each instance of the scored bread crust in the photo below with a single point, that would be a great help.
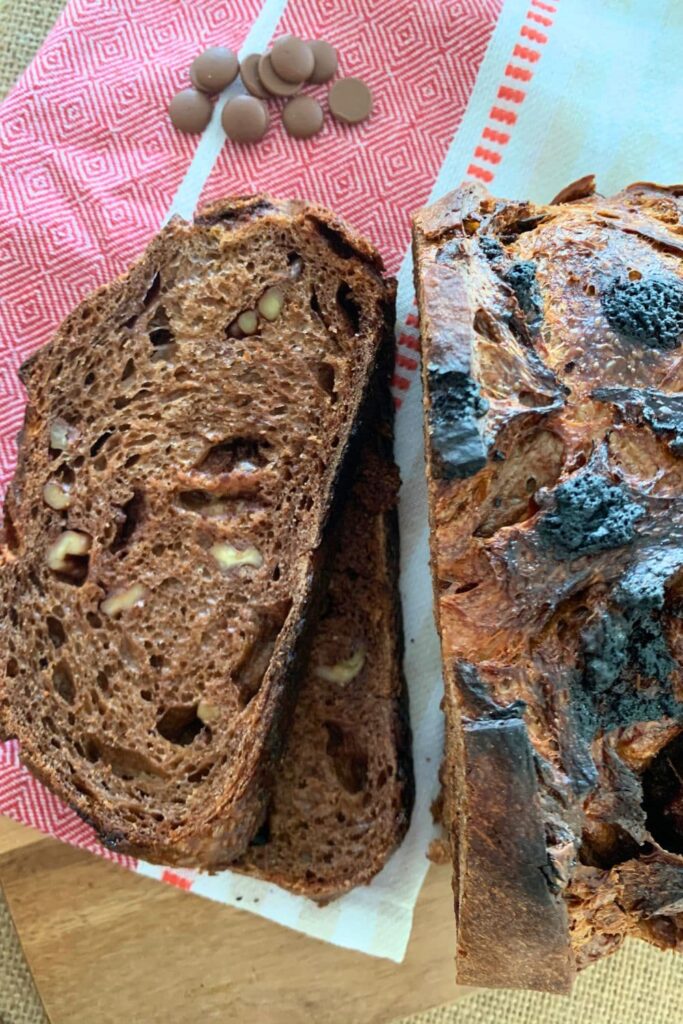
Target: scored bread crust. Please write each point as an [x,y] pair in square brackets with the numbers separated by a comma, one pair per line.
[554,431]
[162,725]
[343,794]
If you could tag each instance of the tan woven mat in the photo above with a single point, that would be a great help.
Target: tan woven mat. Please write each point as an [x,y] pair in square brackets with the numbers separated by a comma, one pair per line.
[19,1002]
[637,986]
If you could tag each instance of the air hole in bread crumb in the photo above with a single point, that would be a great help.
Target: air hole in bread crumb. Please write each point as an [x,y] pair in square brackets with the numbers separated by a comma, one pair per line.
[55,631]
[152,290]
[65,474]
[102,680]
[200,774]
[180,724]
[12,668]
[11,535]
[160,333]
[128,370]
[156,661]
[230,453]
[325,374]
[88,379]
[336,241]
[465,588]
[350,761]
[94,620]
[128,518]
[92,751]
[63,682]
[315,304]
[349,307]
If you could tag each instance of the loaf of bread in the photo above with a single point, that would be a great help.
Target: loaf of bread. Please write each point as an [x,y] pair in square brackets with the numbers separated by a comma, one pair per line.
[184,437]
[554,425]
[343,794]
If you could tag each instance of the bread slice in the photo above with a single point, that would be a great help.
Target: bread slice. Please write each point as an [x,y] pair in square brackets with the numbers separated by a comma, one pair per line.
[161,544]
[343,794]
[553,377]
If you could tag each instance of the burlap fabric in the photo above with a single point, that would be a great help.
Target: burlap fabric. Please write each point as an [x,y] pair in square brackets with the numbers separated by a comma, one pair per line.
[637,986]
[19,1002]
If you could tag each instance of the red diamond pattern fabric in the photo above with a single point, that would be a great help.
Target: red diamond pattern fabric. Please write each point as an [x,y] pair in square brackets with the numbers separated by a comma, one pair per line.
[420,58]
[91,165]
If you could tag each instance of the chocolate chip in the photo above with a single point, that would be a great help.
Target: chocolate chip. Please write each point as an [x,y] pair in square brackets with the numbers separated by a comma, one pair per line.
[325,57]
[190,111]
[271,81]
[302,117]
[350,100]
[292,59]
[250,76]
[213,70]
[245,119]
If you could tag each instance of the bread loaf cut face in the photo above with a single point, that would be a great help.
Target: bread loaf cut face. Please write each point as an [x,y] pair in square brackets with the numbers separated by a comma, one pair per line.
[552,339]
[342,797]
[184,435]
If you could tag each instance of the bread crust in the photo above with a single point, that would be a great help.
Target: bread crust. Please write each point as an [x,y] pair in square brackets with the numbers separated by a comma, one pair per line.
[552,376]
[219,829]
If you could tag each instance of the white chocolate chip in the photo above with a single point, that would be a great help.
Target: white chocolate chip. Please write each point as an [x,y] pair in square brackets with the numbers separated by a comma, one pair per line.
[67,544]
[120,600]
[344,671]
[248,322]
[207,713]
[56,495]
[270,303]
[229,557]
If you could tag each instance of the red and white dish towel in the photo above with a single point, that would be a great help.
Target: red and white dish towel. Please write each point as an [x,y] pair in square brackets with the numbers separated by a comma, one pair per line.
[523,95]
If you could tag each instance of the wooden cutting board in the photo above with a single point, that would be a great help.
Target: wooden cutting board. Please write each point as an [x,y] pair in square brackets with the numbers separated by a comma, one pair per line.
[107,946]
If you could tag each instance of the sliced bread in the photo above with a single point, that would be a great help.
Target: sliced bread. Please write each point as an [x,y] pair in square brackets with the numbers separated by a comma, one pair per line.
[184,435]
[343,794]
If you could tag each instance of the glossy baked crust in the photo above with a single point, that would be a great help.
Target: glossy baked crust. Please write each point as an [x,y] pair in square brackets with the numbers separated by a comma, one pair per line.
[554,427]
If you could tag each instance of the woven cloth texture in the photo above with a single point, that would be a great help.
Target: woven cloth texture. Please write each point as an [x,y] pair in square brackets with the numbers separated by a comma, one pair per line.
[19,1002]
[637,986]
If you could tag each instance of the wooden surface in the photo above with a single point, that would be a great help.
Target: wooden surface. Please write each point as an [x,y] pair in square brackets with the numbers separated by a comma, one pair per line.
[105,945]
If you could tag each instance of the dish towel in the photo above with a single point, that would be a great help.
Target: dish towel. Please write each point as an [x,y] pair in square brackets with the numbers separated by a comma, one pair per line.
[523,95]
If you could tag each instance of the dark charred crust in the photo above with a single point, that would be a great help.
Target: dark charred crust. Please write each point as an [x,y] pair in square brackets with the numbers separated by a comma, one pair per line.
[458,446]
[661,411]
[588,515]
[491,248]
[648,311]
[521,276]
